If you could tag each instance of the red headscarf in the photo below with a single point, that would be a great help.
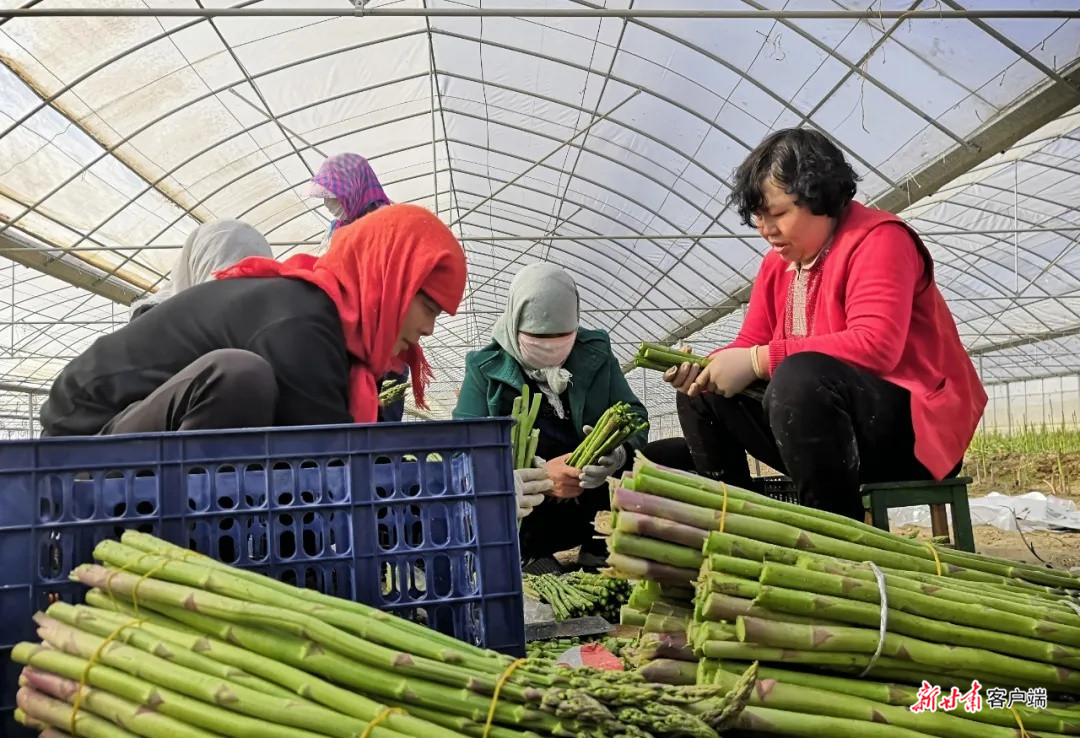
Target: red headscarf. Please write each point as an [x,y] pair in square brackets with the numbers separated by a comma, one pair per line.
[372,271]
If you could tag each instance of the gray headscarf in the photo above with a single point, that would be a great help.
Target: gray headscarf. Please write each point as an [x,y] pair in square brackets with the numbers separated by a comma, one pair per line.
[543,299]
[209,248]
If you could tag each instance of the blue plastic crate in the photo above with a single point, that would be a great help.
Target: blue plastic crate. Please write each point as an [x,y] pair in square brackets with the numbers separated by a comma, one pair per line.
[418,519]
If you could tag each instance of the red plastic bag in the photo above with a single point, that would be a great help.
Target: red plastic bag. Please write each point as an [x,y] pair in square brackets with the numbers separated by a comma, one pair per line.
[591,654]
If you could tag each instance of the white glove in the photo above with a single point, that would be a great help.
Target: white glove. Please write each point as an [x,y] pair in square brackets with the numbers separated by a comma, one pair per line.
[530,485]
[596,475]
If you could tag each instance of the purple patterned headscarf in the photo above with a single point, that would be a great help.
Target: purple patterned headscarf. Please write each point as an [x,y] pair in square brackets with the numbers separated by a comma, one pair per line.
[350,179]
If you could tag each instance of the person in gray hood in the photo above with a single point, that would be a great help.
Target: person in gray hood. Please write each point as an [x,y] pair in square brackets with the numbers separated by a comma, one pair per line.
[208,249]
[538,340]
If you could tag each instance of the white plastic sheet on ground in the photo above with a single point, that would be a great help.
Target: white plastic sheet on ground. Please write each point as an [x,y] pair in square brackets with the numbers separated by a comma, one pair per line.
[1031,511]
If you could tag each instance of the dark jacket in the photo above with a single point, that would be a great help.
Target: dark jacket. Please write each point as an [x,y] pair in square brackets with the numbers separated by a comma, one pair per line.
[292,324]
[493,379]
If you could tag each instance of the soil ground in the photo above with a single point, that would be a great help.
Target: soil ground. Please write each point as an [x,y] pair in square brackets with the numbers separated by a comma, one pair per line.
[1014,473]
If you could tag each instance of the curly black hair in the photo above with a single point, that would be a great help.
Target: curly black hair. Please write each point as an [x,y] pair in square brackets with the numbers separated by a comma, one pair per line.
[805,163]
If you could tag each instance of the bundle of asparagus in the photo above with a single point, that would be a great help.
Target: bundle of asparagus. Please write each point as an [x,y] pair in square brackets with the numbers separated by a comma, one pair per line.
[830,616]
[784,584]
[616,425]
[662,518]
[578,594]
[392,391]
[661,358]
[798,702]
[523,437]
[173,643]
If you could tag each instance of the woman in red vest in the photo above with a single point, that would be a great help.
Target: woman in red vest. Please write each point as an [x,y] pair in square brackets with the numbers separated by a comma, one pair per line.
[868,378]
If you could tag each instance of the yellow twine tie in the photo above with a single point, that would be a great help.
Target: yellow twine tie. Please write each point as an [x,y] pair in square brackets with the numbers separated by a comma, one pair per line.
[121,570]
[89,664]
[495,697]
[1016,714]
[723,508]
[154,570]
[937,559]
[387,712]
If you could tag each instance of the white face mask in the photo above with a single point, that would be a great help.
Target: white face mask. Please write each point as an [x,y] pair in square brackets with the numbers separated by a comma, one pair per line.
[545,353]
[334,206]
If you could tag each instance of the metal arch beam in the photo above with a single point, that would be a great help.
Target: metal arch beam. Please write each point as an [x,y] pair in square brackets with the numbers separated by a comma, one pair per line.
[251,78]
[571,106]
[187,212]
[561,201]
[200,98]
[295,63]
[22,251]
[926,235]
[1035,145]
[1014,48]
[1035,110]
[1039,107]
[5,16]
[323,101]
[540,162]
[855,69]
[627,165]
[1050,375]
[630,251]
[1065,332]
[603,187]
[1032,257]
[572,267]
[963,257]
[108,150]
[360,11]
[579,239]
[764,89]
[270,162]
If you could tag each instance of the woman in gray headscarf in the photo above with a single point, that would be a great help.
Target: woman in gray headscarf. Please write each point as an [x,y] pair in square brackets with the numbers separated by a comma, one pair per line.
[208,249]
[538,341]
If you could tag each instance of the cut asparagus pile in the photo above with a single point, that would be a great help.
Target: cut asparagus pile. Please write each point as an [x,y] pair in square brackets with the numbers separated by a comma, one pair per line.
[661,358]
[172,643]
[786,586]
[392,391]
[578,594]
[615,426]
[523,437]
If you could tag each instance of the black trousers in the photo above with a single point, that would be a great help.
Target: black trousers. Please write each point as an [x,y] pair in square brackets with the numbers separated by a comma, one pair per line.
[670,452]
[560,525]
[826,424]
[228,388]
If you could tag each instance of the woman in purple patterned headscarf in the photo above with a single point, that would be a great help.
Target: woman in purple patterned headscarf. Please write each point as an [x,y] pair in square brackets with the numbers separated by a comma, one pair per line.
[349,188]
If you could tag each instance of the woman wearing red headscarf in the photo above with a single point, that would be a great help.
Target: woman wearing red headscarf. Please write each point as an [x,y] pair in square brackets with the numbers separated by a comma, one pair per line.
[270,343]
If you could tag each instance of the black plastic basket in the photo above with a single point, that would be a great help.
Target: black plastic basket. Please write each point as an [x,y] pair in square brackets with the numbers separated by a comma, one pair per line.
[779,488]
